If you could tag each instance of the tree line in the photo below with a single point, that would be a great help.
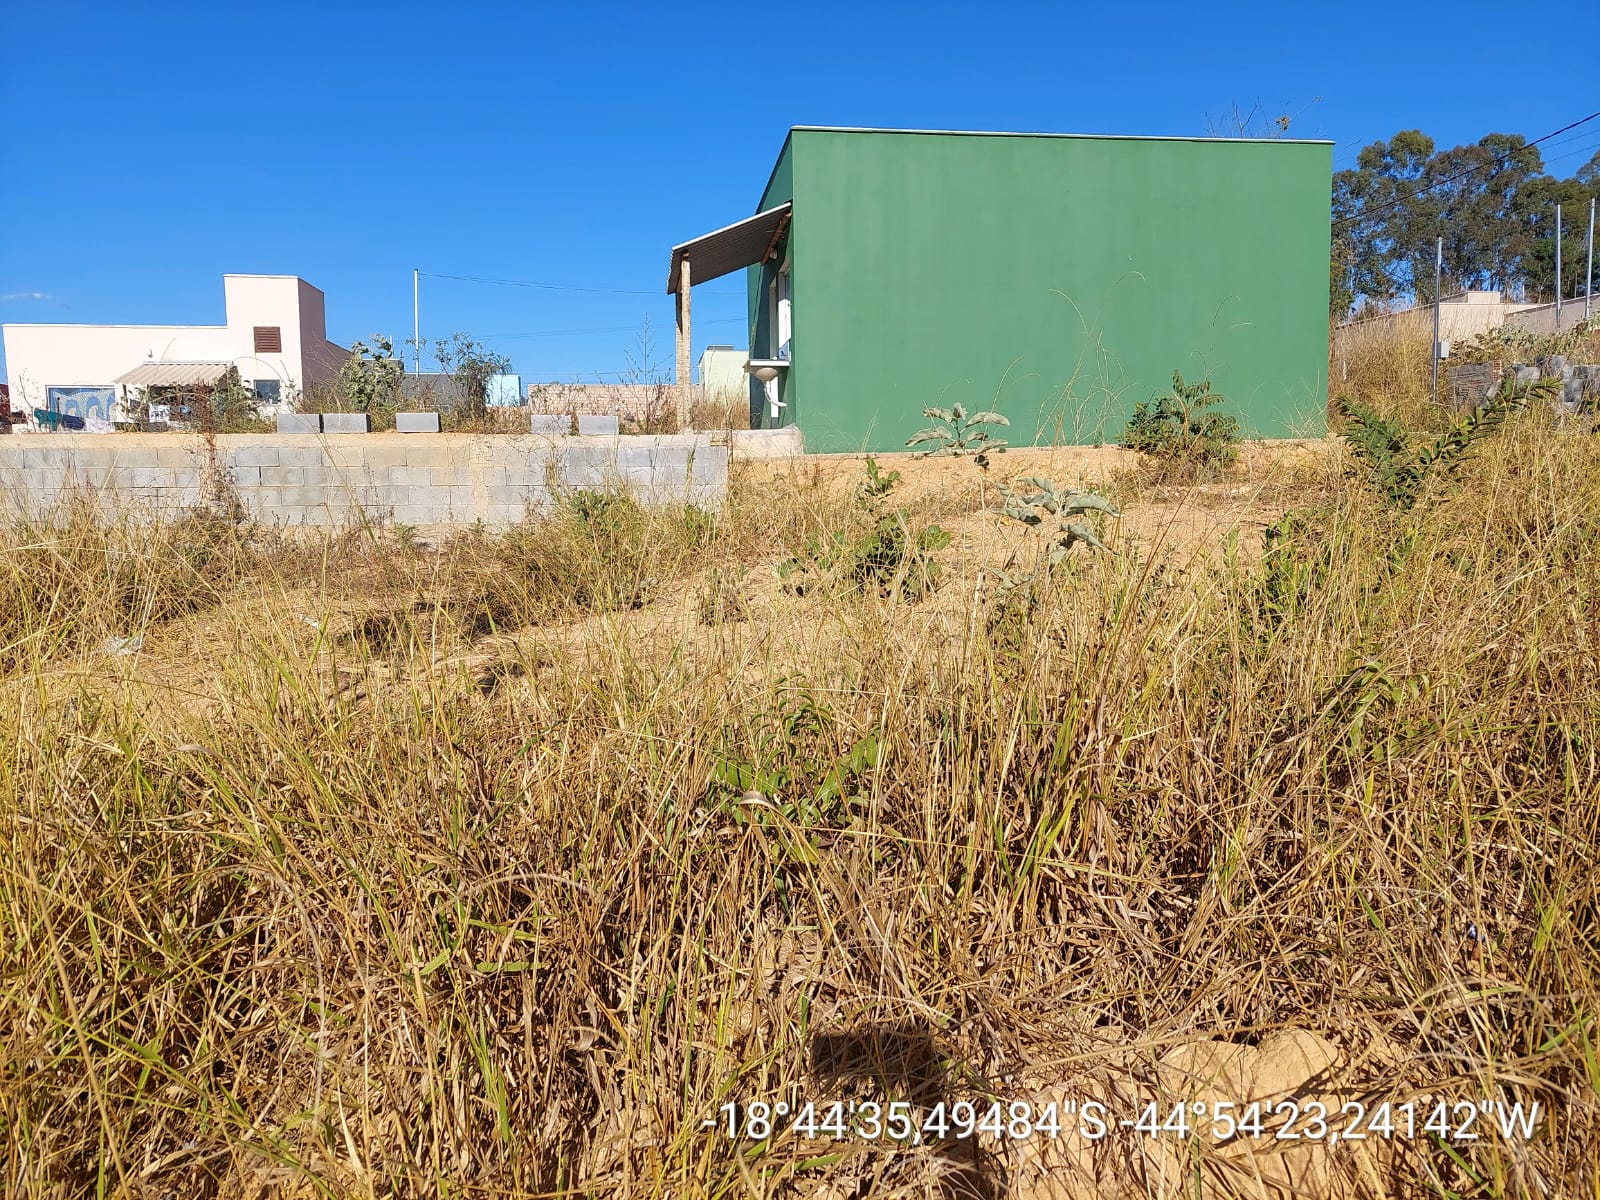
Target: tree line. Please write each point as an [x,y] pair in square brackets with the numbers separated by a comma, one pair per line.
[1493,202]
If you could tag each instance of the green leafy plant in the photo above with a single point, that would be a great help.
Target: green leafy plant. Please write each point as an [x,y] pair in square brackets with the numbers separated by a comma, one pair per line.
[1397,470]
[1038,503]
[369,380]
[1045,507]
[1180,427]
[472,364]
[955,431]
[890,557]
[792,782]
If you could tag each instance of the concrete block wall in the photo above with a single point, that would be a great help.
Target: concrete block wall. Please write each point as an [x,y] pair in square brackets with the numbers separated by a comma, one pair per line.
[436,481]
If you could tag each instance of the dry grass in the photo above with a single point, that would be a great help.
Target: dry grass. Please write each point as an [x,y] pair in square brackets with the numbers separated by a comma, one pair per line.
[1387,362]
[491,868]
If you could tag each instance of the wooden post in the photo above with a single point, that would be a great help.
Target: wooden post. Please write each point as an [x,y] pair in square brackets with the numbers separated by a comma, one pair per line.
[684,369]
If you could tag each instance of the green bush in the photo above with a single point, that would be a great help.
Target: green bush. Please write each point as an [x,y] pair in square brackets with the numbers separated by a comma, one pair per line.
[1178,428]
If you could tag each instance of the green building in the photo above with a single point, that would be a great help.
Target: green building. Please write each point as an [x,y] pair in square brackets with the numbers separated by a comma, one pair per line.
[1057,278]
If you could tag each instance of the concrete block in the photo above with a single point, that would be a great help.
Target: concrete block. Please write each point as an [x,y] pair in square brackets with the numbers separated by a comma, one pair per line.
[245,477]
[346,423]
[503,514]
[710,466]
[256,456]
[419,514]
[416,422]
[512,493]
[179,456]
[299,422]
[410,477]
[308,497]
[298,456]
[768,443]
[550,423]
[451,476]
[597,425]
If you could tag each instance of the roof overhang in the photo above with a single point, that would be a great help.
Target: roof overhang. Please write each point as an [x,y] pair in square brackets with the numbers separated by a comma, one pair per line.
[742,244]
[173,374]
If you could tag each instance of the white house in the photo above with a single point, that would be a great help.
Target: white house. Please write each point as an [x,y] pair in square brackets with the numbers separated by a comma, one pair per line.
[275,336]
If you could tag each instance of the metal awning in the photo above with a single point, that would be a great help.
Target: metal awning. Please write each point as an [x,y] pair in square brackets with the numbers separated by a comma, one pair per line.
[742,244]
[173,374]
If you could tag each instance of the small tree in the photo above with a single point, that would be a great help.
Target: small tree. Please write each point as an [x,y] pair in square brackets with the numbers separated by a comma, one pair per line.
[472,365]
[370,378]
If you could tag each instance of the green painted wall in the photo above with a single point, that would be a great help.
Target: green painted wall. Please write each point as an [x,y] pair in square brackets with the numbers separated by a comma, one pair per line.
[1059,279]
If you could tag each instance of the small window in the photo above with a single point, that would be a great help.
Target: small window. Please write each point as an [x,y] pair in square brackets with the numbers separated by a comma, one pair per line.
[268,391]
[269,339]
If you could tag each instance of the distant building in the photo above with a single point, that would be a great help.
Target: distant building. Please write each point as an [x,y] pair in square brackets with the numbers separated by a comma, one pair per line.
[1462,316]
[430,390]
[722,372]
[631,403]
[274,335]
[1059,278]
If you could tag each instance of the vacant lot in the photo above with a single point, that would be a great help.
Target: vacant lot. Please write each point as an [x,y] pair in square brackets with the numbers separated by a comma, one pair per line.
[495,866]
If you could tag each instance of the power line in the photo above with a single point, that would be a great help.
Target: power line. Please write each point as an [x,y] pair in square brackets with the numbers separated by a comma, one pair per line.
[488,337]
[559,287]
[1459,175]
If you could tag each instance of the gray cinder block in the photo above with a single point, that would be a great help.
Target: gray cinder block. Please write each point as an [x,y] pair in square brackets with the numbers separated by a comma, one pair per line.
[299,422]
[346,423]
[550,423]
[594,425]
[416,422]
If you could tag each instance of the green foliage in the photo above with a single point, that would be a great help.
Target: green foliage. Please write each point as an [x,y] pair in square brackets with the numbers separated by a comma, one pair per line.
[890,557]
[472,364]
[794,785]
[369,381]
[1398,471]
[1178,428]
[1042,506]
[1045,507]
[1491,199]
[958,432]
[233,405]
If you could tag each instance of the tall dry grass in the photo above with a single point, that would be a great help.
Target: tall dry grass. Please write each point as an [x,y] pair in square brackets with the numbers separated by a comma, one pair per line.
[1387,362]
[303,904]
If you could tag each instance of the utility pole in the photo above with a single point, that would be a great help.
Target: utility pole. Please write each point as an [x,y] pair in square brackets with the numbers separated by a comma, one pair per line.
[1558,268]
[1438,279]
[416,319]
[1588,282]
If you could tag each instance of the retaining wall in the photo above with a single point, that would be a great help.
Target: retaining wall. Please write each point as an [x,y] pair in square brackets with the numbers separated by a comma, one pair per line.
[411,479]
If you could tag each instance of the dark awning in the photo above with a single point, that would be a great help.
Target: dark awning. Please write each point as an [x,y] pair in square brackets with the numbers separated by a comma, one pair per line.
[742,244]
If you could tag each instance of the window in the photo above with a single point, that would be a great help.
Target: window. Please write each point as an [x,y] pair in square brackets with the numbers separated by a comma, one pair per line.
[268,391]
[269,339]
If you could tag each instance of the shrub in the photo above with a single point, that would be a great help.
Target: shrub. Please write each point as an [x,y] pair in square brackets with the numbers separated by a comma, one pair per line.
[1398,472]
[889,557]
[1178,428]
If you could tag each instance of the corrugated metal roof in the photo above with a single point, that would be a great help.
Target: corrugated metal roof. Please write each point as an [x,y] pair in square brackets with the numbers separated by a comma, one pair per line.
[172,374]
[742,244]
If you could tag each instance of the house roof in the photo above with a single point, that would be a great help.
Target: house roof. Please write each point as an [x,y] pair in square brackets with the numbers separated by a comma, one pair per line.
[742,244]
[1104,137]
[172,374]
[437,386]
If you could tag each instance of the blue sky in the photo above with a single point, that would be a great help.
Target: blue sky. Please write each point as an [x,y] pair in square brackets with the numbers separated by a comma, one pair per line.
[148,149]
